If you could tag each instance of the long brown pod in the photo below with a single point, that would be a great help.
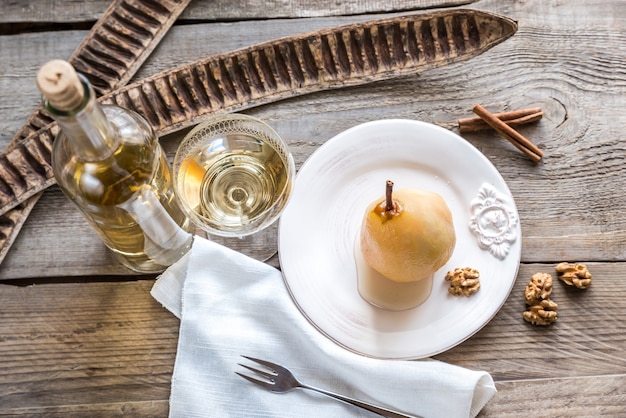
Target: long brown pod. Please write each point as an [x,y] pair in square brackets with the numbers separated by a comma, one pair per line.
[116,46]
[333,58]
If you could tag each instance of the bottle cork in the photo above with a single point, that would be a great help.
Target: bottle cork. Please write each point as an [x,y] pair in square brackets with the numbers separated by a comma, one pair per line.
[59,83]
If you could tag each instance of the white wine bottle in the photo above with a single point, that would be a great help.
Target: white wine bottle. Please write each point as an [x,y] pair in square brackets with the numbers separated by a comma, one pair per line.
[108,162]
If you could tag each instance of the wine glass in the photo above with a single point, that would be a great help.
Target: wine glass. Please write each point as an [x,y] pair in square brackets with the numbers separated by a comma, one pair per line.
[233,175]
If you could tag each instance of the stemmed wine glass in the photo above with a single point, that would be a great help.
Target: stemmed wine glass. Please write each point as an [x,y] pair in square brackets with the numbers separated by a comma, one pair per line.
[233,175]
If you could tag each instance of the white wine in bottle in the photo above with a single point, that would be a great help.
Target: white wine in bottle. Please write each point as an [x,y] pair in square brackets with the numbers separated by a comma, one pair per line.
[108,162]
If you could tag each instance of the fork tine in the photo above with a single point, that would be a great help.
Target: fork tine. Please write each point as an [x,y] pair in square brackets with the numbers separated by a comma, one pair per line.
[268,375]
[271,366]
[276,368]
[263,383]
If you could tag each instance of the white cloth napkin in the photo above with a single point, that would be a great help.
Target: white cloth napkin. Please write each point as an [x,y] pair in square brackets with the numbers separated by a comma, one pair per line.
[231,305]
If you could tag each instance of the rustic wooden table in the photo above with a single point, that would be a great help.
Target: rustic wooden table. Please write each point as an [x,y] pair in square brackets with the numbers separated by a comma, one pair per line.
[79,336]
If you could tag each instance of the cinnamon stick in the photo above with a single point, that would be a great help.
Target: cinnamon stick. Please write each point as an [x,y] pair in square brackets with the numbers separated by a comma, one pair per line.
[511,118]
[517,139]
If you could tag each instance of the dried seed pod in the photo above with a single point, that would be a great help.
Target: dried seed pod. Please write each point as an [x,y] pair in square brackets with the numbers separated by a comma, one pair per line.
[344,56]
[114,64]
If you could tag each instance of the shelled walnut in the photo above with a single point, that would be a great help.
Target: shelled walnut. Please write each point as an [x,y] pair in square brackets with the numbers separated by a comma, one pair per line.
[542,313]
[574,274]
[541,309]
[463,281]
[539,288]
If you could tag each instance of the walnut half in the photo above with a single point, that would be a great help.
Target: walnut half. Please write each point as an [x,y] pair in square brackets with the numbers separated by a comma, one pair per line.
[539,288]
[541,310]
[463,281]
[543,313]
[574,274]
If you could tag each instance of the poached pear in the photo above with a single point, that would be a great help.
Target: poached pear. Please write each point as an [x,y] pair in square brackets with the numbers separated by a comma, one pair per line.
[407,235]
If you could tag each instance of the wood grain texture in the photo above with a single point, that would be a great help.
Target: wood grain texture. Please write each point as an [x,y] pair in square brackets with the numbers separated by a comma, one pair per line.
[349,55]
[585,340]
[71,344]
[60,257]
[598,396]
[25,11]
[572,202]
[111,341]
[114,49]
[567,57]
[109,56]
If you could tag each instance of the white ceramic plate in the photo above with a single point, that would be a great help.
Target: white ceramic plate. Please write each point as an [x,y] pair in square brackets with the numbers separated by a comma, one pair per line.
[318,229]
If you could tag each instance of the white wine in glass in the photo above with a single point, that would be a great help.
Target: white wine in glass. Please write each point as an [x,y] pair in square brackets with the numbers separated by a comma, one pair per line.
[233,175]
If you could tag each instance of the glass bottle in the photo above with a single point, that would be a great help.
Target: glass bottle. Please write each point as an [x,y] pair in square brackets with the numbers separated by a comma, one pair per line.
[108,162]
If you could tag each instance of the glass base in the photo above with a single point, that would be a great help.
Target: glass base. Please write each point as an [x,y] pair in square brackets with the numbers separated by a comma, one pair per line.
[261,245]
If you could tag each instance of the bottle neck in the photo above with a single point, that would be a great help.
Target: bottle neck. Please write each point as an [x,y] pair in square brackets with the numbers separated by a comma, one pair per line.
[86,126]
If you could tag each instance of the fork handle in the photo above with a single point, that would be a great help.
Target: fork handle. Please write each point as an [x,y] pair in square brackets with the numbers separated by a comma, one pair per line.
[373,408]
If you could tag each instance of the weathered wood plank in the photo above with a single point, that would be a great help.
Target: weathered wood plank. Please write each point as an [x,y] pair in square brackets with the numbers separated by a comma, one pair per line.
[587,339]
[84,346]
[22,56]
[572,201]
[114,64]
[68,345]
[603,396]
[101,343]
[469,33]
[597,396]
[80,11]
[156,408]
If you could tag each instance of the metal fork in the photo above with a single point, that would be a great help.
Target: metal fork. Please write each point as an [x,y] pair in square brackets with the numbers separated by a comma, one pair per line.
[279,379]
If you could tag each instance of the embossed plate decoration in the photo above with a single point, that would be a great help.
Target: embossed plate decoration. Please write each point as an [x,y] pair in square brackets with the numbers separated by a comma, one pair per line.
[318,229]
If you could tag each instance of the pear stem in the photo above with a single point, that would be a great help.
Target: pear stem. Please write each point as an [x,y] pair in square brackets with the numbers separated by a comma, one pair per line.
[390,205]
[388,208]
